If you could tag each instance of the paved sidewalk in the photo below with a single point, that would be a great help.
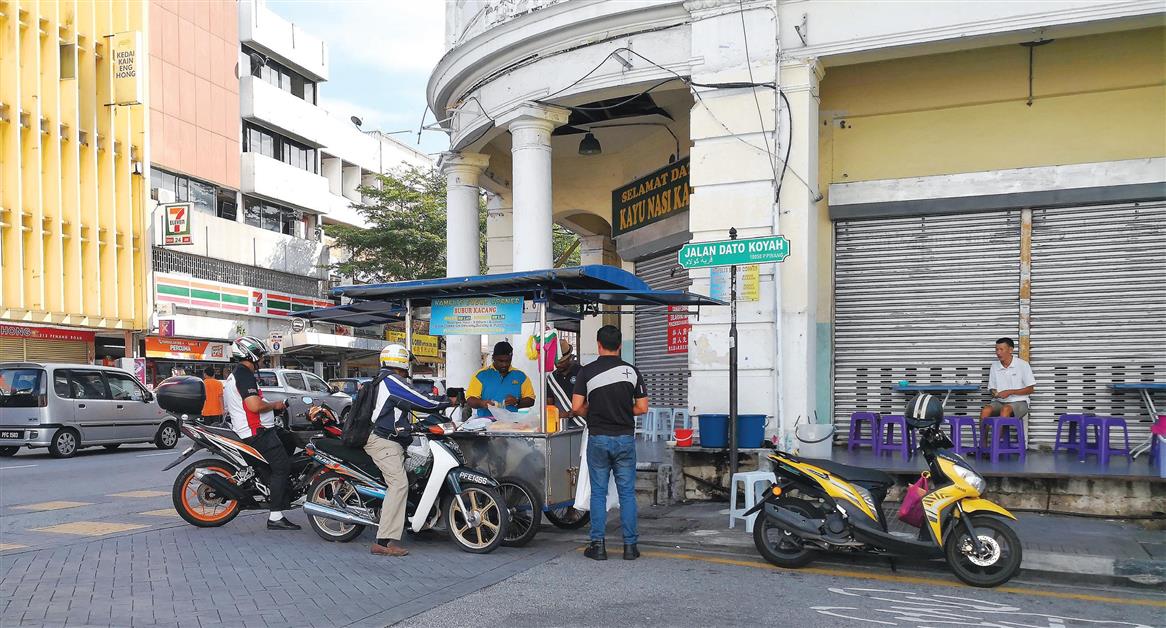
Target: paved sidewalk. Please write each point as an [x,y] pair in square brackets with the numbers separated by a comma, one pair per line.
[1057,546]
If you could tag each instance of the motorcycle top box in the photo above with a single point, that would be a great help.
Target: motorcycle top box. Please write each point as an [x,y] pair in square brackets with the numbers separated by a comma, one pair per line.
[181,395]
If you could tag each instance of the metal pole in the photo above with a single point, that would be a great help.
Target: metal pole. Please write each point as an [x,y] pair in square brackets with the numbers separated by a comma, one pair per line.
[540,393]
[732,363]
[409,332]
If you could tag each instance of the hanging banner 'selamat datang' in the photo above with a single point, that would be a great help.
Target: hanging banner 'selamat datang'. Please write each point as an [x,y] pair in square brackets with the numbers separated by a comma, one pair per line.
[486,315]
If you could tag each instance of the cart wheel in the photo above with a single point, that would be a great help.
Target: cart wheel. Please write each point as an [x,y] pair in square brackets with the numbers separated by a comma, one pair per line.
[525,506]
[568,518]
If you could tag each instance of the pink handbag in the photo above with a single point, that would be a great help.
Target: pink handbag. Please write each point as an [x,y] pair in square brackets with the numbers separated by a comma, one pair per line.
[911,511]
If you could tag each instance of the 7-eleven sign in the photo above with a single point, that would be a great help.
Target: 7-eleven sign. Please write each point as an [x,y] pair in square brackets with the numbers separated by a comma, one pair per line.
[177,230]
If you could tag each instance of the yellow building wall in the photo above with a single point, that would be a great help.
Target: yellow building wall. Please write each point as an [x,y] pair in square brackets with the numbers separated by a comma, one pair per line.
[1095,98]
[72,223]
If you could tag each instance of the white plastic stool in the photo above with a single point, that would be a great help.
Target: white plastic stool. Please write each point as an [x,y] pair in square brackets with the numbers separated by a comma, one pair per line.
[680,418]
[752,483]
[649,424]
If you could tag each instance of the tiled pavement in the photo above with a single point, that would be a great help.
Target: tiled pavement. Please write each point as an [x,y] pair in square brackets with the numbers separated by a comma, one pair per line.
[242,574]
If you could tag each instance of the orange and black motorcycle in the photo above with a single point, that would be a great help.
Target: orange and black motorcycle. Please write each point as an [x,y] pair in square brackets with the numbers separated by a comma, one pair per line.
[210,492]
[823,506]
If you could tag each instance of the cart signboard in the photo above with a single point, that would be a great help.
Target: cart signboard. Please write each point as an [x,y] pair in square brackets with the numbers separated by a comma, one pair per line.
[476,315]
[765,250]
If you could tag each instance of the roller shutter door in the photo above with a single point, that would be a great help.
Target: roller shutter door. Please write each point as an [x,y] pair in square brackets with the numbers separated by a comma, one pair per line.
[68,351]
[920,299]
[1098,311]
[665,374]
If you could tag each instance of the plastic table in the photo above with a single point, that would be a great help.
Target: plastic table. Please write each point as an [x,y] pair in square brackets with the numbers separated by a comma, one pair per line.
[1144,389]
[946,389]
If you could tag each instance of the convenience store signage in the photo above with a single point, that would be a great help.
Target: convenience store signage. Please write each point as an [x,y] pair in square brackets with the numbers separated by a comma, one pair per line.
[177,231]
[215,296]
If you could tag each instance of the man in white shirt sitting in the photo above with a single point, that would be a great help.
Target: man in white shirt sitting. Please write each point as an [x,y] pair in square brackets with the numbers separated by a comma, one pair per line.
[1011,382]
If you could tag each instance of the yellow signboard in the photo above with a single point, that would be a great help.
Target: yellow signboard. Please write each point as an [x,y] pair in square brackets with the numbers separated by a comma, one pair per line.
[125,64]
[423,344]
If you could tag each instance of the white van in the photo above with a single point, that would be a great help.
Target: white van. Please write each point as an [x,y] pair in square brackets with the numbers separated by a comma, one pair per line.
[69,406]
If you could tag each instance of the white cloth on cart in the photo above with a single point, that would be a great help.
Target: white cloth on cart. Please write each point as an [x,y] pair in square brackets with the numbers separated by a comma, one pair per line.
[583,487]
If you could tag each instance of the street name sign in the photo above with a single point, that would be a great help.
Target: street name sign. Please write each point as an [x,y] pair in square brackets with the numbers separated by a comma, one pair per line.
[764,250]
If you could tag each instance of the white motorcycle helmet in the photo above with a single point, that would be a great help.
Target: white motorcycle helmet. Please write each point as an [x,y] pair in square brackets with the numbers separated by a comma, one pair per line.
[395,356]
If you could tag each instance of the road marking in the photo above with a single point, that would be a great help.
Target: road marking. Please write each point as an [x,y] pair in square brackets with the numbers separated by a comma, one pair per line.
[847,573]
[17,466]
[90,528]
[163,512]
[10,546]
[165,453]
[57,505]
[142,493]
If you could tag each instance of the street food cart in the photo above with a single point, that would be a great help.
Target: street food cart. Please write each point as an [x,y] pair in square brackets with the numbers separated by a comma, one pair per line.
[537,467]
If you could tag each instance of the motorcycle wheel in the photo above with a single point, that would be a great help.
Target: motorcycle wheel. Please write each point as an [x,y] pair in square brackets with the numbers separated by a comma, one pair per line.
[1000,560]
[778,546]
[199,504]
[568,518]
[525,508]
[328,487]
[483,528]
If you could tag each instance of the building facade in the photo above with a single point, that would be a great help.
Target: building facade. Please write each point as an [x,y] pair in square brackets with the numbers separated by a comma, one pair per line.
[73,143]
[258,249]
[944,178]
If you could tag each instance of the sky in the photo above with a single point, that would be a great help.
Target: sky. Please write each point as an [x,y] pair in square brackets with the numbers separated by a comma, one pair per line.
[380,55]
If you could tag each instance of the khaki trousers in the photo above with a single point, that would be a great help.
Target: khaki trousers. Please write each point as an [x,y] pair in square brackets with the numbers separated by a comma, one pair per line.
[390,459]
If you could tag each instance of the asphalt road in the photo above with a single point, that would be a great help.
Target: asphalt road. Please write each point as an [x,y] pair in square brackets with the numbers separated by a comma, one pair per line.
[666,588]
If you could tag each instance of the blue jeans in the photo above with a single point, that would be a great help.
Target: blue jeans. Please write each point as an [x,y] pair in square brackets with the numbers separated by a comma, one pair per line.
[613,454]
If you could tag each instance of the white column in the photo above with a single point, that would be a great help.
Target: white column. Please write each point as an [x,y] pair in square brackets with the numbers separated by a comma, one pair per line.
[530,128]
[462,353]
[597,249]
[499,242]
[800,217]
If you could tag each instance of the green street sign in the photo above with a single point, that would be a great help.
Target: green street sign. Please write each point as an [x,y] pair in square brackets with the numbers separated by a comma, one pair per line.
[766,250]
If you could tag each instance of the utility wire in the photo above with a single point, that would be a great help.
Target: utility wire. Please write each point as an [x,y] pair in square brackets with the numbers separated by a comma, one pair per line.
[757,102]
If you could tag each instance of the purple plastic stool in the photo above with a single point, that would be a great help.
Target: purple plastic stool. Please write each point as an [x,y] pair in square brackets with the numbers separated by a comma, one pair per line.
[856,421]
[999,430]
[957,424]
[1075,437]
[885,439]
[1100,426]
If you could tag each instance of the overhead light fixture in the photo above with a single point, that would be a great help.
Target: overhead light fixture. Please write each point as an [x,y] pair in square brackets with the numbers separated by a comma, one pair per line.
[357,121]
[590,145]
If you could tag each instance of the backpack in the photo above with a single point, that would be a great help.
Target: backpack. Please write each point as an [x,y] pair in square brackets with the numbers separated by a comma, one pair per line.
[360,420]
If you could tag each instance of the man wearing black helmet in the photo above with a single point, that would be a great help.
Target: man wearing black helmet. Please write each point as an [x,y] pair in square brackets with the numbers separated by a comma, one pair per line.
[253,419]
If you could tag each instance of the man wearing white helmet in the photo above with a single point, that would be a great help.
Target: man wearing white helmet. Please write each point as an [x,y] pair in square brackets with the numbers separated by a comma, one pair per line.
[386,444]
[253,419]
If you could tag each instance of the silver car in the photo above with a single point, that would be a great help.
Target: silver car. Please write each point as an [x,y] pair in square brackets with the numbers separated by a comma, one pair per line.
[292,384]
[69,406]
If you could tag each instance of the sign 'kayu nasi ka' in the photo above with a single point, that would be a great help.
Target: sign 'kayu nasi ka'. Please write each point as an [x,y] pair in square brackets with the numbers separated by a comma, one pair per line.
[650,199]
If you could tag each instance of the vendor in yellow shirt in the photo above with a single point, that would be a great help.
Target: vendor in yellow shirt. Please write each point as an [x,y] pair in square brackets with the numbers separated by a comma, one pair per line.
[500,385]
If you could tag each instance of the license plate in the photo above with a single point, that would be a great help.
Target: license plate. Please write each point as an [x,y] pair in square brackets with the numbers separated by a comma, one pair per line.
[11,434]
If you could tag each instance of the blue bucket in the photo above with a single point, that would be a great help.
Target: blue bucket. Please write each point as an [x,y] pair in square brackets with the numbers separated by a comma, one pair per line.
[714,430]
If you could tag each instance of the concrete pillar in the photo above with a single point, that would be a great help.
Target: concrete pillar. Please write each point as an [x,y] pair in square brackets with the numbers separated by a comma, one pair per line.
[461,232]
[732,175]
[597,249]
[799,223]
[530,128]
[499,243]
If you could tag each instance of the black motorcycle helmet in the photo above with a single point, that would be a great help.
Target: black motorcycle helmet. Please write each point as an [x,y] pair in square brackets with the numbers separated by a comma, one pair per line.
[924,411]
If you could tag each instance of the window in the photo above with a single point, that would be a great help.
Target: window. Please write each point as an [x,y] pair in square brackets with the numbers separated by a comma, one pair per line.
[205,197]
[295,380]
[61,384]
[317,384]
[124,388]
[257,139]
[267,379]
[285,78]
[88,385]
[270,216]
[21,388]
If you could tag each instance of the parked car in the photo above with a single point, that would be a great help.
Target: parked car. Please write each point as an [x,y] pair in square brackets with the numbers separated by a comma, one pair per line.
[69,406]
[433,386]
[284,384]
[349,385]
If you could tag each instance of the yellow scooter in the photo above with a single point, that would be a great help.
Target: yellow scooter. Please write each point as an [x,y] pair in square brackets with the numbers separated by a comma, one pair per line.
[820,505]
